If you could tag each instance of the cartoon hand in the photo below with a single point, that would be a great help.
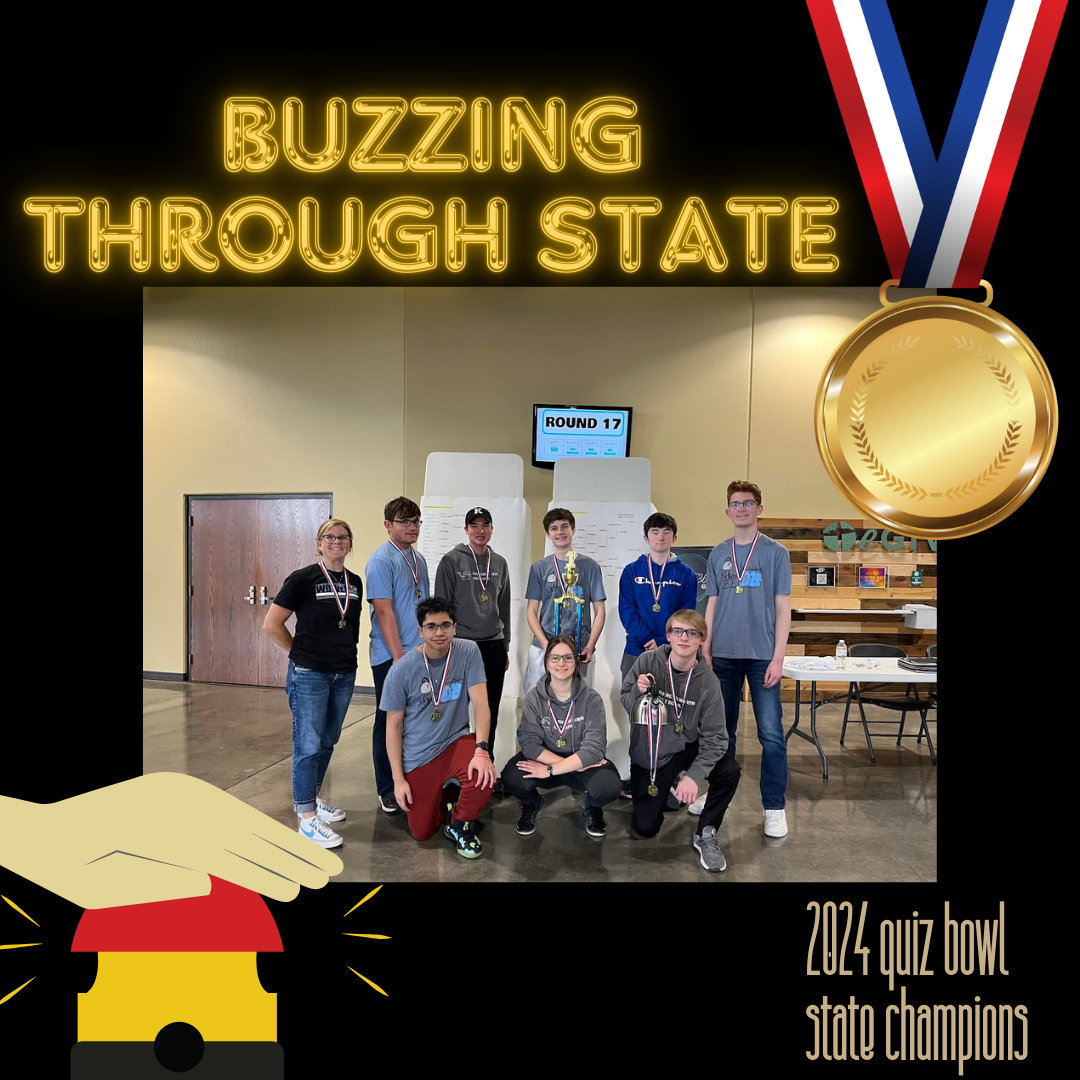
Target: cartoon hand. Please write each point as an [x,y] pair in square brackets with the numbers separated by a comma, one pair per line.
[154,838]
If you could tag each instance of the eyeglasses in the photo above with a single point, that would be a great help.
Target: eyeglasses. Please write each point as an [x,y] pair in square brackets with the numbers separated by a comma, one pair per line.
[409,521]
[747,505]
[334,538]
[431,627]
[562,658]
[678,631]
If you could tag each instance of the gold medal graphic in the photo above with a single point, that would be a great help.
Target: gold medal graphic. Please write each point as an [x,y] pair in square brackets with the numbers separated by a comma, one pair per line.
[936,416]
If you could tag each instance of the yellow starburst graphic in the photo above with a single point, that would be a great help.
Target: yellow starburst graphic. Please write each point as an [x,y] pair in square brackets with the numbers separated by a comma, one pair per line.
[29,944]
[379,937]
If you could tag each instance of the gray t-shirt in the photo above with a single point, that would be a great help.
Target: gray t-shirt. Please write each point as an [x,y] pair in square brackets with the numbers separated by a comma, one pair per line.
[408,687]
[744,623]
[544,586]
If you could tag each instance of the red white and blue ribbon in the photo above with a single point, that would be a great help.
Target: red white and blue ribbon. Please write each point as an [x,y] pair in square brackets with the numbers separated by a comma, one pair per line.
[936,217]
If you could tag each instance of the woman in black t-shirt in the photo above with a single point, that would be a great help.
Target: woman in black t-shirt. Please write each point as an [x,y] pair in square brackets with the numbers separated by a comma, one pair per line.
[322,669]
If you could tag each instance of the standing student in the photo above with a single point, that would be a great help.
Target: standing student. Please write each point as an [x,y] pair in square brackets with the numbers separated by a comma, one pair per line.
[322,669]
[652,588]
[428,742]
[397,578]
[563,739]
[547,581]
[476,581]
[749,616]
[692,742]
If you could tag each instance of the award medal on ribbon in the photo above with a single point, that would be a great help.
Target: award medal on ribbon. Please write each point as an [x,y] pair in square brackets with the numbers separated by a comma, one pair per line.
[333,592]
[936,416]
[740,574]
[654,588]
[486,576]
[654,751]
[675,697]
[436,698]
[561,728]
[414,568]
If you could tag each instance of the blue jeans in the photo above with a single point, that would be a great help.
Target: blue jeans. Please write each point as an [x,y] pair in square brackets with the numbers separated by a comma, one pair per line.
[319,701]
[769,716]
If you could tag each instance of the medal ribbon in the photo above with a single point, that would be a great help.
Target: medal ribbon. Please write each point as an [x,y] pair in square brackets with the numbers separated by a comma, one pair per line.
[654,755]
[655,589]
[487,570]
[686,688]
[739,575]
[936,217]
[566,723]
[414,569]
[446,672]
[333,588]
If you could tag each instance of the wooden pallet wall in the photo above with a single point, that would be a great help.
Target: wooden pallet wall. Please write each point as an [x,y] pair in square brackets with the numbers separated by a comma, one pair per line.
[816,634]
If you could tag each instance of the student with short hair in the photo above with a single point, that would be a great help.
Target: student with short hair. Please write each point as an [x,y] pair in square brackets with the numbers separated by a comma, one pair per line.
[692,742]
[563,739]
[476,580]
[546,582]
[397,578]
[652,588]
[749,616]
[427,696]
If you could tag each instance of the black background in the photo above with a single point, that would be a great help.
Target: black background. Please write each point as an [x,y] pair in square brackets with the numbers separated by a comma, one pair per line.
[731,104]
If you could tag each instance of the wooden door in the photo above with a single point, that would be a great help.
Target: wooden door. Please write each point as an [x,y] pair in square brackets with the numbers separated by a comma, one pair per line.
[242,549]
[225,620]
[287,529]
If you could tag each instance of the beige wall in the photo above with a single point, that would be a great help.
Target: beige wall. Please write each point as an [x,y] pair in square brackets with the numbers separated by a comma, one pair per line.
[348,390]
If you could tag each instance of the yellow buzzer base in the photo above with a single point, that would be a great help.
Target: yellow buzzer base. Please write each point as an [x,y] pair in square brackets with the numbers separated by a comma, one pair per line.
[136,994]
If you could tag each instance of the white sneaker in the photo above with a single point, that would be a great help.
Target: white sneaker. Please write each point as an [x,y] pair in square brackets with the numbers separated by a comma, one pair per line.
[326,812]
[320,832]
[698,805]
[775,823]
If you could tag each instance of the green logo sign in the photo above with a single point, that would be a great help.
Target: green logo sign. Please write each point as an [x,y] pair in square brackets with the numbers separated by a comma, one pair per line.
[840,536]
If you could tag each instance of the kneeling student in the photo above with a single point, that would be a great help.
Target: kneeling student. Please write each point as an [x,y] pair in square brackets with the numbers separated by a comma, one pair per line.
[693,740]
[426,698]
[563,738]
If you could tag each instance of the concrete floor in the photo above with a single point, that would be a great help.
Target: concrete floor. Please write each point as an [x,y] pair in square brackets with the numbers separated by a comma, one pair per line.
[865,823]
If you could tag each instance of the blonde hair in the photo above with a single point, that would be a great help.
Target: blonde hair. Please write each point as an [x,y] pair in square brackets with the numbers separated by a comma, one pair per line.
[327,525]
[689,617]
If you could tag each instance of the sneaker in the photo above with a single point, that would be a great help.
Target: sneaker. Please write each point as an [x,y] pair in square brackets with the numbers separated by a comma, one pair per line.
[594,818]
[672,800]
[712,858]
[327,812]
[319,832]
[526,825]
[775,823]
[389,804]
[461,835]
[624,791]
[698,805]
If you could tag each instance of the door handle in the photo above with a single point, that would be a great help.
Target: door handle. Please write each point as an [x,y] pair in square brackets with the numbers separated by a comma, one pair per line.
[250,598]
[263,598]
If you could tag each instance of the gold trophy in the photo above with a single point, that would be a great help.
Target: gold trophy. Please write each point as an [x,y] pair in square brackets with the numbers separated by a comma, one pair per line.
[568,597]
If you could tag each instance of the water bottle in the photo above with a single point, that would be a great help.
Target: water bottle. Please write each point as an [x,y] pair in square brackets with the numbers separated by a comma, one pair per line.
[841,655]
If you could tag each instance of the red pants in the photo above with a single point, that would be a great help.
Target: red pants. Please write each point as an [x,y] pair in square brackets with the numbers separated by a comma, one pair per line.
[428,811]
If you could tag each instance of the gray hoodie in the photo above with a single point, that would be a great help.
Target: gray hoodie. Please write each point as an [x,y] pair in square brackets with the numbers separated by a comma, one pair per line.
[456,581]
[703,715]
[586,734]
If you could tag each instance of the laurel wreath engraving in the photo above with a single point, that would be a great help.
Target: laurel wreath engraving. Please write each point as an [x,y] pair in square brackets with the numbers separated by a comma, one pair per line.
[1012,428]
[903,487]
[858,423]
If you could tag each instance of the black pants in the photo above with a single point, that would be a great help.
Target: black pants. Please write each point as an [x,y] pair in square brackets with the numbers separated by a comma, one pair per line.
[493,653]
[649,809]
[601,783]
[384,776]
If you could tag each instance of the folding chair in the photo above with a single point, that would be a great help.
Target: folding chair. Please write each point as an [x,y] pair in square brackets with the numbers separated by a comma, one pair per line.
[910,702]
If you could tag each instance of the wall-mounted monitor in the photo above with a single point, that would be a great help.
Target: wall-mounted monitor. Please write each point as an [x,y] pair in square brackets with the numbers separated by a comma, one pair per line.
[579,431]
